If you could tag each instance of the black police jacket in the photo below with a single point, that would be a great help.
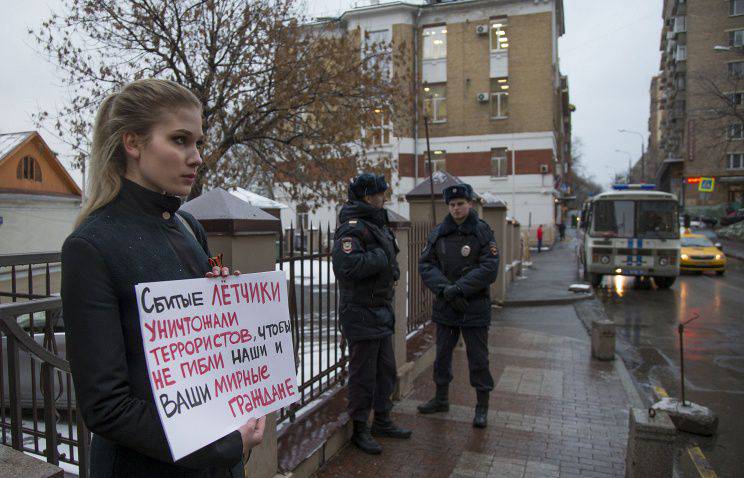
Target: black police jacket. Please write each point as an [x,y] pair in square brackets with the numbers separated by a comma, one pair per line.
[135,238]
[466,255]
[366,268]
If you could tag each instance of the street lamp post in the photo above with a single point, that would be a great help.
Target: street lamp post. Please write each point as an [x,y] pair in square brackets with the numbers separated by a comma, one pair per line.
[643,150]
[630,161]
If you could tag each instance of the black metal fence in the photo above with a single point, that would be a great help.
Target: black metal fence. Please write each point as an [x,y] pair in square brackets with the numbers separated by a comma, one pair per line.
[420,299]
[37,400]
[29,276]
[320,351]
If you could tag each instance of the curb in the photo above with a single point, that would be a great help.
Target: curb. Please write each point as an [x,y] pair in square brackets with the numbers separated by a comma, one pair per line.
[542,302]
[626,380]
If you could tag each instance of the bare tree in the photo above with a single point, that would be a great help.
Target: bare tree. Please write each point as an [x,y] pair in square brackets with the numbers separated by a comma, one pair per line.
[583,184]
[285,100]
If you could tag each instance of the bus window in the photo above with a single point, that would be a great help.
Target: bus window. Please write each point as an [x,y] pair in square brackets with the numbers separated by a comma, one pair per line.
[613,218]
[657,219]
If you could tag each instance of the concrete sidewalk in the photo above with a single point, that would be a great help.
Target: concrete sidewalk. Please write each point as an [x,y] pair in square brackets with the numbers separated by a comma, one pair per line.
[546,281]
[555,412]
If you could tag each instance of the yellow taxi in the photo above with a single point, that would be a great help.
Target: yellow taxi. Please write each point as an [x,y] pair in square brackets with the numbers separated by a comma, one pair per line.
[698,253]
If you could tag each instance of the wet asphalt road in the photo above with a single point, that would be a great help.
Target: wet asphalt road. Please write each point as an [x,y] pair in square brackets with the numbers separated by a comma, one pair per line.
[648,341]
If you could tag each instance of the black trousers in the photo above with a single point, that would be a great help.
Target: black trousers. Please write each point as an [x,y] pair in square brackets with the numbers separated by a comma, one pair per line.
[372,375]
[476,345]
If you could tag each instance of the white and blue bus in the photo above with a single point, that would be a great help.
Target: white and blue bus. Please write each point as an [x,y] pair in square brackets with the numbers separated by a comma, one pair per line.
[631,231]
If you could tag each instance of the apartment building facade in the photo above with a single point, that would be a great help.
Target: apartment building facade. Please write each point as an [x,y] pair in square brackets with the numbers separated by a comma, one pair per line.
[702,92]
[486,75]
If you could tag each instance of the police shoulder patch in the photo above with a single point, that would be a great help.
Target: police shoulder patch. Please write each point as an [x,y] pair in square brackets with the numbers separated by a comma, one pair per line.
[493,248]
[346,245]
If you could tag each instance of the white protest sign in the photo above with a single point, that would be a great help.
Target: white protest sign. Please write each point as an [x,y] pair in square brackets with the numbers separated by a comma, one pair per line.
[219,351]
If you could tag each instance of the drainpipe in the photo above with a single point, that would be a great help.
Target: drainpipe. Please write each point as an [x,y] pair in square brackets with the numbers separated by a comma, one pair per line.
[415,98]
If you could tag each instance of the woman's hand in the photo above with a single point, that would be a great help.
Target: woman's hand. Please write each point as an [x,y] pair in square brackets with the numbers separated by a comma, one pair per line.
[221,272]
[252,434]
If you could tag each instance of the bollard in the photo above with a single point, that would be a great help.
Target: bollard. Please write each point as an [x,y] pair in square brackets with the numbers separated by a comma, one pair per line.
[603,339]
[650,444]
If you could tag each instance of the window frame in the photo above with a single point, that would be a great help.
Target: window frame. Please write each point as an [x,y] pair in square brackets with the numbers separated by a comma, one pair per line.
[387,63]
[730,161]
[732,68]
[439,163]
[733,134]
[435,102]
[382,130]
[732,37]
[499,159]
[498,96]
[733,8]
[503,28]
[424,36]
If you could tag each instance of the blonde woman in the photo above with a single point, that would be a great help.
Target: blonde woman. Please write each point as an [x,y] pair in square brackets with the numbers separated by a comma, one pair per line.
[144,158]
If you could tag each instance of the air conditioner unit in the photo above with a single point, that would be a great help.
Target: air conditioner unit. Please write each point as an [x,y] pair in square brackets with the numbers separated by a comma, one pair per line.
[543,169]
[481,30]
[482,97]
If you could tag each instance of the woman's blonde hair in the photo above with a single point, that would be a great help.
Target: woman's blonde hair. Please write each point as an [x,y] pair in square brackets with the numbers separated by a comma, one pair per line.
[135,109]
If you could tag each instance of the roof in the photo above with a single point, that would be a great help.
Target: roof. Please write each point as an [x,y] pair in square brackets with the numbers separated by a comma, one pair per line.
[631,194]
[491,200]
[442,180]
[256,199]
[219,204]
[10,141]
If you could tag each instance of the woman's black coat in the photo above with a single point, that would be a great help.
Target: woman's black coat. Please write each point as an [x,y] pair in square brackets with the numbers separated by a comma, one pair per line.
[135,238]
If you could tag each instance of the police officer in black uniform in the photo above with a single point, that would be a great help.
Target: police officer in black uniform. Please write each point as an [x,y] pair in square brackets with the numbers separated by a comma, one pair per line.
[459,264]
[366,268]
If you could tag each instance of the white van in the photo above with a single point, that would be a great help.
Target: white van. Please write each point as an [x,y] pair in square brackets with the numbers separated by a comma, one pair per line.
[631,231]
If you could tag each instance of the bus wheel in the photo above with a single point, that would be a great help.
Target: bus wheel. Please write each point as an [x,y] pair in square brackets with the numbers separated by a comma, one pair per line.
[664,282]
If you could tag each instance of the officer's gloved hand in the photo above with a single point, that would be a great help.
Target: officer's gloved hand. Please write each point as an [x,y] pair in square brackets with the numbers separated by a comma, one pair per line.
[460,304]
[452,291]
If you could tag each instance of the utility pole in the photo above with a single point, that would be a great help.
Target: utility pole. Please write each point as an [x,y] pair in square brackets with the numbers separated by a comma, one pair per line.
[431,171]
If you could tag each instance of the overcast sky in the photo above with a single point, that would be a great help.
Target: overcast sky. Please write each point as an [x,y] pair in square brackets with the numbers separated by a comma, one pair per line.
[610,52]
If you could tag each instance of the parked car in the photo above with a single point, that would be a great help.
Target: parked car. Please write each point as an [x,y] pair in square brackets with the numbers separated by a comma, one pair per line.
[733,218]
[698,253]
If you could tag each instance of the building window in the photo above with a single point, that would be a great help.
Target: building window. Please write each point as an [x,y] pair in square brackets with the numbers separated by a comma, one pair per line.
[379,43]
[499,97]
[735,161]
[435,42]
[736,131]
[681,53]
[499,38]
[380,133]
[736,69]
[680,24]
[499,163]
[438,161]
[736,38]
[29,168]
[736,99]
[736,7]
[435,103]
[680,82]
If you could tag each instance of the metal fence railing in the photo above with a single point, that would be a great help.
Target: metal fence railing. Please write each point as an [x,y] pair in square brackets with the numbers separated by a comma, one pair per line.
[420,298]
[320,351]
[37,412]
[29,276]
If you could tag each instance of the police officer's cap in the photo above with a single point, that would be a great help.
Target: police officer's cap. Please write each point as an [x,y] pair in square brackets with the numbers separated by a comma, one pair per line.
[367,184]
[464,191]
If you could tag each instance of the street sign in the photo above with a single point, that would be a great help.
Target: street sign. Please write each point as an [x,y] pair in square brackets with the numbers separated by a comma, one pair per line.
[693,180]
[706,185]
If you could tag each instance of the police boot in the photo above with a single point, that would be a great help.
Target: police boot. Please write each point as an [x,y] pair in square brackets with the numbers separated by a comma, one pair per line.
[363,440]
[440,402]
[481,411]
[383,426]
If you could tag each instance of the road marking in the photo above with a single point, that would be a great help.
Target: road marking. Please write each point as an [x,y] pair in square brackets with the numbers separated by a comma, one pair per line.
[660,392]
[701,463]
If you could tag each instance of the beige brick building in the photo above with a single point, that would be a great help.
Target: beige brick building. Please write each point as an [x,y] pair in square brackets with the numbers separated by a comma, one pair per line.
[702,67]
[486,73]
